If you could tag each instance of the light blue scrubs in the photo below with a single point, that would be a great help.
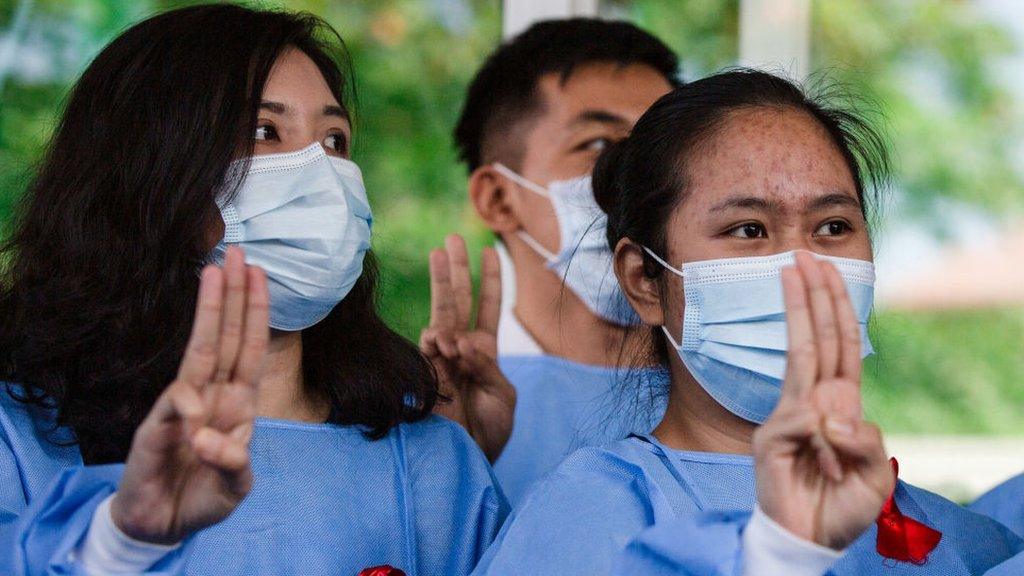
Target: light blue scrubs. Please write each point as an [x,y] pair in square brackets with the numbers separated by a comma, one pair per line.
[1005,503]
[1012,567]
[325,501]
[563,405]
[594,515]
[29,460]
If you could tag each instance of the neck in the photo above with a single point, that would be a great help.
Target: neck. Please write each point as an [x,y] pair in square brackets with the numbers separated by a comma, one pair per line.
[695,421]
[281,391]
[556,318]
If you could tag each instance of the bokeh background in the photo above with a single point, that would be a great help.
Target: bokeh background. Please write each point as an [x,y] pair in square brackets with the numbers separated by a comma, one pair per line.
[947,74]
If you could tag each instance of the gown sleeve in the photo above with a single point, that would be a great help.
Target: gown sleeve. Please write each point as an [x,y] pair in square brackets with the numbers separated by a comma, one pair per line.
[1005,504]
[1012,567]
[575,521]
[703,544]
[43,540]
[457,505]
[12,495]
[714,543]
[721,543]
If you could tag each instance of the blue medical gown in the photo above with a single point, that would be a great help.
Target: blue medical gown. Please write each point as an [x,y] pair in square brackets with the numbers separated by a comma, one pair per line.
[563,405]
[325,501]
[635,507]
[1012,567]
[1004,503]
[33,451]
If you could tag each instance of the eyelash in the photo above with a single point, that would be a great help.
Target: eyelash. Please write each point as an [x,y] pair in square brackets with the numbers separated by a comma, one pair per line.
[762,233]
[342,143]
[269,128]
[845,228]
[586,146]
[736,231]
[270,134]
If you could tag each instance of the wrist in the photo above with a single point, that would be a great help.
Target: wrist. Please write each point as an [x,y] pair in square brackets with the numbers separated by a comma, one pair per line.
[769,549]
[106,549]
[133,521]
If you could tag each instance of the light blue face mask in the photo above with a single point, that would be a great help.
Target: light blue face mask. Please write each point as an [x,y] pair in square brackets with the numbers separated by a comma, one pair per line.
[734,340]
[583,261]
[304,218]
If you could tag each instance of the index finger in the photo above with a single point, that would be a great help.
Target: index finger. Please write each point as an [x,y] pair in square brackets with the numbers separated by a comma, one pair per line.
[200,359]
[442,301]
[801,359]
[233,316]
[489,311]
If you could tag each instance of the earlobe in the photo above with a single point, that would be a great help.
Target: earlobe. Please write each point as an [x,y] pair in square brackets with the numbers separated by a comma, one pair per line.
[643,292]
[489,194]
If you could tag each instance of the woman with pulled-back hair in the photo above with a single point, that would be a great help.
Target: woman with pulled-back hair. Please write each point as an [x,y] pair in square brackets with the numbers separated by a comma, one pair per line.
[738,213]
[193,375]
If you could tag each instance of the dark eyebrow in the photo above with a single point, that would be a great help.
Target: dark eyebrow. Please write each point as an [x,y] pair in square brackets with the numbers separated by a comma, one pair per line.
[598,116]
[274,107]
[832,200]
[333,110]
[279,108]
[746,202]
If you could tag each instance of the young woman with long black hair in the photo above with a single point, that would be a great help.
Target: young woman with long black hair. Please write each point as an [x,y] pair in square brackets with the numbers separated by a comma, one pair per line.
[214,136]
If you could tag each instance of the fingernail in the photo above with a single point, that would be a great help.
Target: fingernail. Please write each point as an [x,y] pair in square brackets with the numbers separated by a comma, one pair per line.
[838,427]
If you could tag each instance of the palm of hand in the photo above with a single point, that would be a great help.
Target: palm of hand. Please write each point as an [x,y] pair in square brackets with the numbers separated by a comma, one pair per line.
[481,398]
[822,472]
[188,466]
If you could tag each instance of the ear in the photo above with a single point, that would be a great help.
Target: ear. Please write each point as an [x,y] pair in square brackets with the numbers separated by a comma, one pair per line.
[643,292]
[489,193]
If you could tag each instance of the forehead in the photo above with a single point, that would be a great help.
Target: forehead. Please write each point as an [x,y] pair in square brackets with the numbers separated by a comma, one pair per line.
[627,91]
[780,154]
[295,77]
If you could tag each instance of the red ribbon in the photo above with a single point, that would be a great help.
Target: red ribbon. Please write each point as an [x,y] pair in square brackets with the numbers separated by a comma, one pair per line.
[384,570]
[902,538]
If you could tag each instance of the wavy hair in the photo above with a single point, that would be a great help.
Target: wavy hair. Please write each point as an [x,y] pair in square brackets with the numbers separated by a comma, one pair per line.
[99,276]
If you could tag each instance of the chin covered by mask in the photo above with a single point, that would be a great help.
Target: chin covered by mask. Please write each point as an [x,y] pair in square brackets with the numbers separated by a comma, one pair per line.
[583,261]
[304,218]
[734,341]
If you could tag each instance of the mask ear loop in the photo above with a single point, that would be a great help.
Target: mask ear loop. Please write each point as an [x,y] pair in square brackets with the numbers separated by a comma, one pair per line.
[523,235]
[513,176]
[675,271]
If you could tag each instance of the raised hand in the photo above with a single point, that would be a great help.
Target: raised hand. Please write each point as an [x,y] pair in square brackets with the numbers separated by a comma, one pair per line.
[465,357]
[188,467]
[822,471]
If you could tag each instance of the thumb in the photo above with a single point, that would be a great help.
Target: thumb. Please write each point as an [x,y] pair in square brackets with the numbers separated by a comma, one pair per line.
[487,375]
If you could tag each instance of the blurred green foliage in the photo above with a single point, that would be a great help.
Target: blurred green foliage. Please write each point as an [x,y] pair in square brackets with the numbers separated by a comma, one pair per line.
[931,65]
[947,372]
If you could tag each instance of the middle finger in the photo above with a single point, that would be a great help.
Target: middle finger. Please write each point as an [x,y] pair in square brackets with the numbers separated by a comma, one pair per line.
[823,314]
[234,312]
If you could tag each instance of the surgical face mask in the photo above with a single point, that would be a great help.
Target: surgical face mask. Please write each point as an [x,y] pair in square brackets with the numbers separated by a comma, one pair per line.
[583,260]
[734,340]
[304,218]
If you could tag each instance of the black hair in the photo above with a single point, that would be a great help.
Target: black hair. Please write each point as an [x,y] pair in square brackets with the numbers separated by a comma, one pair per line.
[640,180]
[99,277]
[503,96]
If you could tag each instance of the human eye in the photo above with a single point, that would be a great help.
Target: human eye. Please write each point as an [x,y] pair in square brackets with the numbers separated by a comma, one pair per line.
[833,228]
[749,230]
[594,145]
[337,142]
[266,132]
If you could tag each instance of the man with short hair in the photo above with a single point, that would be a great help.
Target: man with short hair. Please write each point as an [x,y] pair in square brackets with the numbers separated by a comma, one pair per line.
[536,117]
